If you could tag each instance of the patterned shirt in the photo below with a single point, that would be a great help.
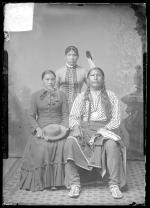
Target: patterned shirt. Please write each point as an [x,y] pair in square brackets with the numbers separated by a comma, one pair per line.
[79,113]
[68,86]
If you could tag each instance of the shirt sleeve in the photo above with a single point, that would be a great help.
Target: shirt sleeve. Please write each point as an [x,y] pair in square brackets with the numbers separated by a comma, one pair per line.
[76,111]
[116,117]
[33,112]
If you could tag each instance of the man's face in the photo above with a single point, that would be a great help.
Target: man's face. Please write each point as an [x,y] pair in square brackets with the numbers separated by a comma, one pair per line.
[95,79]
[71,58]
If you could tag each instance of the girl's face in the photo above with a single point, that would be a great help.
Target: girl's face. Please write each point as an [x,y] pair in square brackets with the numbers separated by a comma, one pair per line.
[49,81]
[95,79]
[71,58]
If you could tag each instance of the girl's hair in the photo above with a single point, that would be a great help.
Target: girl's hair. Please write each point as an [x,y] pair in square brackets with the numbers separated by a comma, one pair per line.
[71,48]
[48,72]
[106,104]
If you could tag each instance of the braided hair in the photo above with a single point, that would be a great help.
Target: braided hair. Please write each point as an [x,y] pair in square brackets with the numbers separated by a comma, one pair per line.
[106,104]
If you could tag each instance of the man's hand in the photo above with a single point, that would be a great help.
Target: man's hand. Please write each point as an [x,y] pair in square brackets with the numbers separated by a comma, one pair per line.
[76,131]
[99,130]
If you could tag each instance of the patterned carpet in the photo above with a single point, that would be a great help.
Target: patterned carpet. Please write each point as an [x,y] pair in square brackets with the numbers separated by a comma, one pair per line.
[92,194]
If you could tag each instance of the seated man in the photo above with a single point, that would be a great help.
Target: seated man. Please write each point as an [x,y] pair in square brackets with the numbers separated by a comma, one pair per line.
[95,139]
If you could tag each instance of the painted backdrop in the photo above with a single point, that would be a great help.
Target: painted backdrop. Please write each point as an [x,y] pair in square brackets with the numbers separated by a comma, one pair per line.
[106,30]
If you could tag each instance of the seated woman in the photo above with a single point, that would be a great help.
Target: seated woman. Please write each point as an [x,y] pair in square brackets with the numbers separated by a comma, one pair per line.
[95,140]
[43,163]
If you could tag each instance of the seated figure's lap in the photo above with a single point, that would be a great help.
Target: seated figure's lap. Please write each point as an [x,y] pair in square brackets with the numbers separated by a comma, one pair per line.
[110,144]
[69,142]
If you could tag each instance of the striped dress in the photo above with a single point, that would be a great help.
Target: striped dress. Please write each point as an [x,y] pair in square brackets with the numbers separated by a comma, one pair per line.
[70,81]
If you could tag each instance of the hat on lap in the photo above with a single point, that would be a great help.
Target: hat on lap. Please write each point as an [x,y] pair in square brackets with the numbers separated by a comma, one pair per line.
[55,132]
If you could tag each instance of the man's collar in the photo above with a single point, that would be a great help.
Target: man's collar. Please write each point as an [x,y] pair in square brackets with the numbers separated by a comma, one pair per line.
[97,92]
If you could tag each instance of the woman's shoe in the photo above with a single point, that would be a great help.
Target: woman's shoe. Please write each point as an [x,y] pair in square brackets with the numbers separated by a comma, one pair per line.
[74,191]
[115,191]
[53,188]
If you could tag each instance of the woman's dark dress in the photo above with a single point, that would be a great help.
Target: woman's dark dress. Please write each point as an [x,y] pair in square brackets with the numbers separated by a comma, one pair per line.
[43,162]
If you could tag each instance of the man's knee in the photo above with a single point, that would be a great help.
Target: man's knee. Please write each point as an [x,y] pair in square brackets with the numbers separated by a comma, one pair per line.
[112,152]
[111,145]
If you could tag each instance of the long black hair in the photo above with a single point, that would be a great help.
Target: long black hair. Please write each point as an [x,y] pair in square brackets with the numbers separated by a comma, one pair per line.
[106,104]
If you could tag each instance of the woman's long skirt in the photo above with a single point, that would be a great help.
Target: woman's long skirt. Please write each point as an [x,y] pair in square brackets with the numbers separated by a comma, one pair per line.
[43,164]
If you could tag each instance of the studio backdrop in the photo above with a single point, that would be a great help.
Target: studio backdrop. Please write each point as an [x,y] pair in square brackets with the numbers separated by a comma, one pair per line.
[107,31]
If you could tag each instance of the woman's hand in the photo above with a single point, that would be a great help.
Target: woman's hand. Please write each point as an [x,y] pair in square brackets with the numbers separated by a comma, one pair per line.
[39,132]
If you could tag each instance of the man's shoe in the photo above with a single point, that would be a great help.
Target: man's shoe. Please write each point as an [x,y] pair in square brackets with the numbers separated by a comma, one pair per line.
[74,191]
[115,191]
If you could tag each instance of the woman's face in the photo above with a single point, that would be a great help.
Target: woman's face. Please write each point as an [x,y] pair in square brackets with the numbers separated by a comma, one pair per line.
[49,81]
[71,58]
[95,79]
